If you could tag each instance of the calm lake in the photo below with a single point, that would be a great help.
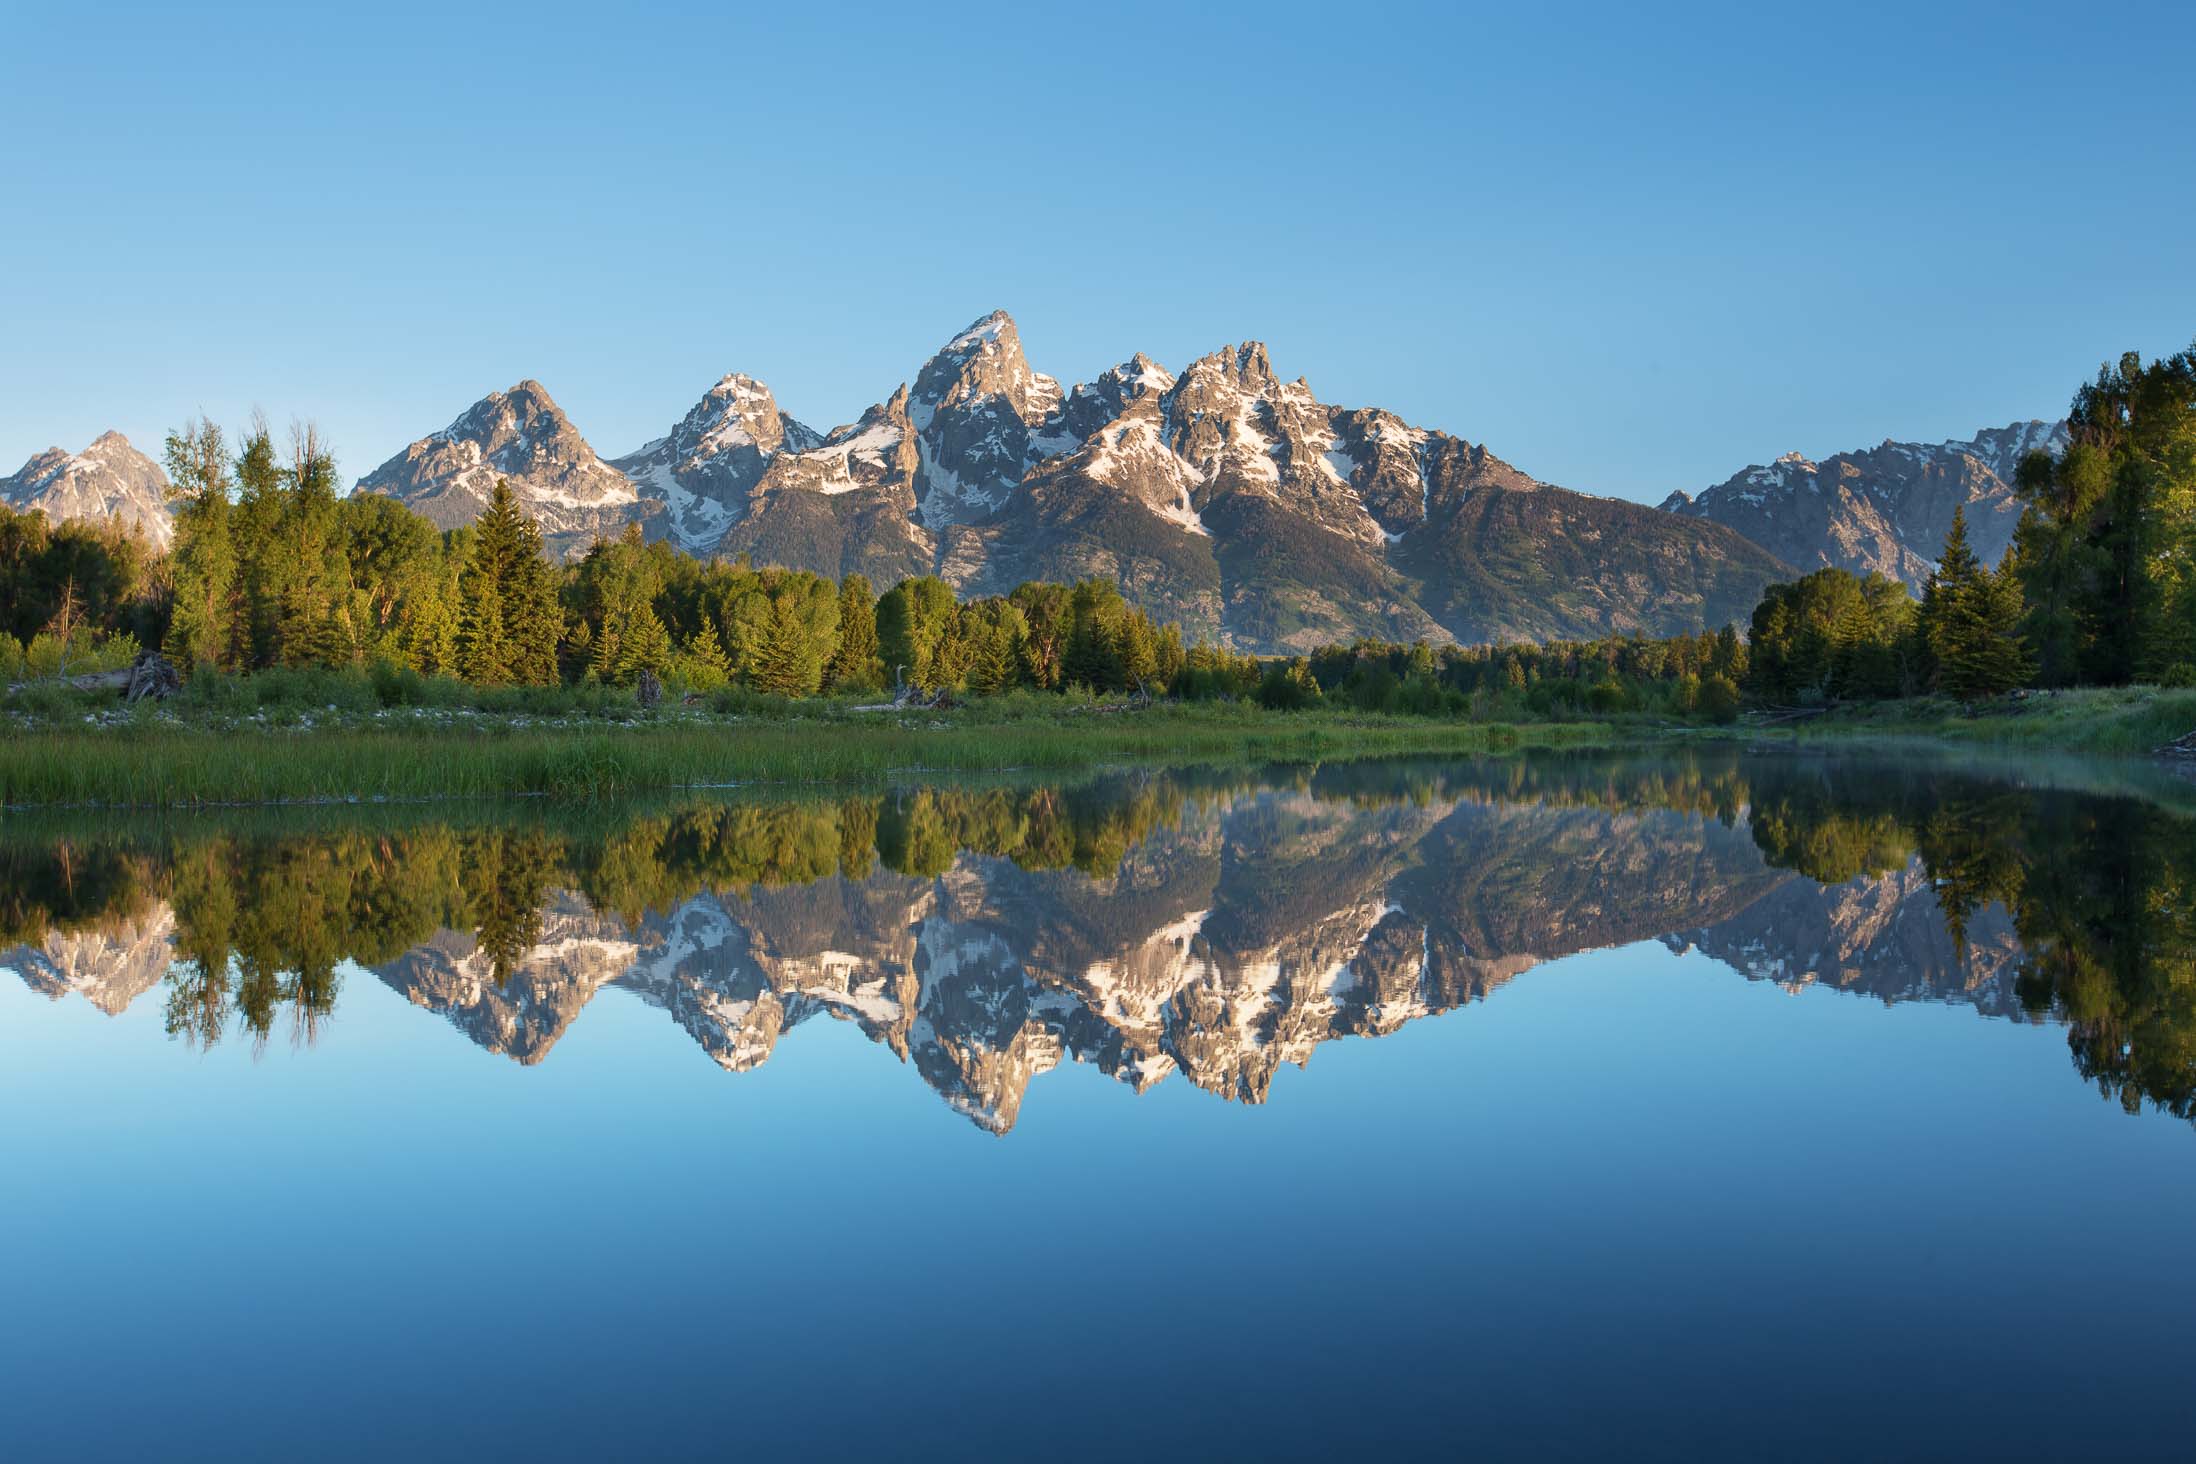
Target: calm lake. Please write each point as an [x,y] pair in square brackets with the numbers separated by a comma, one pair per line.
[1656,1104]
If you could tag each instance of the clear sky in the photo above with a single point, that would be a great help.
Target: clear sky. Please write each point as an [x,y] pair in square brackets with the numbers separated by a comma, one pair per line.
[1631,249]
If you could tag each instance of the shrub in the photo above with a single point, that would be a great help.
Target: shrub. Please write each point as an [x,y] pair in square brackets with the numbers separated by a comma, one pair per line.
[1605,698]
[1719,699]
[1288,687]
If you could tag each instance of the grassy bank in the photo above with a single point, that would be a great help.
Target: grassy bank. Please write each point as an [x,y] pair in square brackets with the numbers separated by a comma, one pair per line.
[2104,721]
[159,760]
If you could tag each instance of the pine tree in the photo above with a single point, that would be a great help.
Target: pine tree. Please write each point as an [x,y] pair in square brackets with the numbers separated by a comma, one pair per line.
[1139,651]
[484,657]
[430,638]
[853,664]
[509,618]
[706,655]
[1971,620]
[533,620]
[645,646]
[203,628]
[778,665]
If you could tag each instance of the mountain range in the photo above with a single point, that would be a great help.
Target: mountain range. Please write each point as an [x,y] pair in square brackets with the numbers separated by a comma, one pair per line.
[1221,497]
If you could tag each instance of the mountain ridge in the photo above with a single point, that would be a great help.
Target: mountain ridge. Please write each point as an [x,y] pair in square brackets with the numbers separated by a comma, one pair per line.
[1224,497]
[1882,509]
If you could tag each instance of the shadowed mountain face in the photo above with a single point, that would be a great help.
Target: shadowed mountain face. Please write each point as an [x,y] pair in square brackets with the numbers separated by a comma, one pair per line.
[1216,926]
[1881,509]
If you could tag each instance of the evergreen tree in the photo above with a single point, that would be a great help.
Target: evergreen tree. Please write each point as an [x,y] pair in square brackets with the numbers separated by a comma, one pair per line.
[1139,652]
[533,618]
[854,664]
[509,619]
[781,660]
[1971,619]
[483,655]
[260,504]
[704,661]
[913,619]
[203,565]
[645,645]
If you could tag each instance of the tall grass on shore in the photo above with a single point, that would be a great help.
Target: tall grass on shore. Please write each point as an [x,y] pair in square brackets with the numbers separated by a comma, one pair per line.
[2100,721]
[146,764]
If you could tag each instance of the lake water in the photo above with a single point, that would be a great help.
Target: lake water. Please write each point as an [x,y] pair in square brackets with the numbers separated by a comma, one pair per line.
[1734,1102]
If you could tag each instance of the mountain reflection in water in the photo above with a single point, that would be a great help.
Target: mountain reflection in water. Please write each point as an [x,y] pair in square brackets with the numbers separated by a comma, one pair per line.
[1219,924]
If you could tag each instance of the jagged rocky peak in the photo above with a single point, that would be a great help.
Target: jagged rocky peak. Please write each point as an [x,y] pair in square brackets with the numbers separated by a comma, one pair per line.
[706,468]
[1092,404]
[1246,367]
[982,361]
[979,414]
[108,482]
[522,437]
[736,414]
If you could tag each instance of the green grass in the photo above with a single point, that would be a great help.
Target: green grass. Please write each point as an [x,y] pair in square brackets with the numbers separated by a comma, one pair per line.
[2106,721]
[146,761]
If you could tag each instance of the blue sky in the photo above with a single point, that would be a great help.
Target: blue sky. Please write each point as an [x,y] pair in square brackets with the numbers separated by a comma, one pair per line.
[1631,249]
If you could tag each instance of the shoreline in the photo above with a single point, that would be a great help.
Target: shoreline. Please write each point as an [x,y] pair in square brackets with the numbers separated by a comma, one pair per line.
[140,764]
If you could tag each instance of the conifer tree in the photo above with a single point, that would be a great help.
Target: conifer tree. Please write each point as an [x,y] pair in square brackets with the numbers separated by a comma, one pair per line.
[203,628]
[706,655]
[854,663]
[1972,621]
[533,620]
[645,645]
[779,665]
[484,657]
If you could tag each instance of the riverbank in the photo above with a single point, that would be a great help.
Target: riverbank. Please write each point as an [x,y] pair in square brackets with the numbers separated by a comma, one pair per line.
[2093,721]
[158,759]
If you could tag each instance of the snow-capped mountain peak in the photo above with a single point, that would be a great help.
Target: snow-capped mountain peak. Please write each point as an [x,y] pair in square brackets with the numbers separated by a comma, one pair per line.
[108,482]
[522,437]
[706,468]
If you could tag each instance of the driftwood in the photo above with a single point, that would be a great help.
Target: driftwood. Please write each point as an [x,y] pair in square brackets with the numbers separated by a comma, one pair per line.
[1779,716]
[2180,747]
[909,697]
[151,674]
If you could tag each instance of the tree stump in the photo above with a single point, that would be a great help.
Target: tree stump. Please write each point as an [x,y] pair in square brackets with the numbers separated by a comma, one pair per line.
[153,675]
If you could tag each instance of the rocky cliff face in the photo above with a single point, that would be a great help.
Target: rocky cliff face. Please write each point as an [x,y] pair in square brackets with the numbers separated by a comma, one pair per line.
[108,482]
[522,437]
[1882,509]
